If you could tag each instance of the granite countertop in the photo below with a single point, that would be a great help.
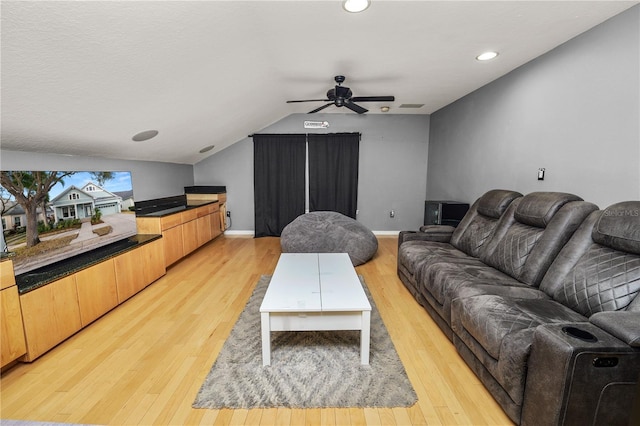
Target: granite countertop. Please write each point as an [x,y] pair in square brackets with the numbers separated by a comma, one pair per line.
[176,209]
[205,189]
[42,276]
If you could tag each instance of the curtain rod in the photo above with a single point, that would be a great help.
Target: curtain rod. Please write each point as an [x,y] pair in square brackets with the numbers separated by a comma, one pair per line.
[307,134]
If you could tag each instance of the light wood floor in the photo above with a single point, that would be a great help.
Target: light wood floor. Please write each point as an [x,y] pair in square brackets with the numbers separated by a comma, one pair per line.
[144,362]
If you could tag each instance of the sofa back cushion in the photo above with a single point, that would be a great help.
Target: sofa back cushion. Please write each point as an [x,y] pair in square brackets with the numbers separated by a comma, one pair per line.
[543,222]
[480,221]
[599,269]
[619,227]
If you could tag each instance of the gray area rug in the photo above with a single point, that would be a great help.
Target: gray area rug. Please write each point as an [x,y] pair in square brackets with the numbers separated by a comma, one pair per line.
[308,369]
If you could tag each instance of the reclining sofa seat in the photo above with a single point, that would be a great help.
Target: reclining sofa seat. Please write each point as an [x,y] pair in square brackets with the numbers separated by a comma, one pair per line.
[463,243]
[521,344]
[521,248]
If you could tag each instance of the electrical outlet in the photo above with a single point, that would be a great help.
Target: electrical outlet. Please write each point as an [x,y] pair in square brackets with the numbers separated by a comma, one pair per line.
[228,213]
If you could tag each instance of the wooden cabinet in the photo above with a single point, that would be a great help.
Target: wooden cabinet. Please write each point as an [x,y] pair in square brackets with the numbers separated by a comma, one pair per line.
[221,210]
[204,228]
[173,249]
[7,278]
[153,258]
[138,268]
[216,225]
[12,332]
[189,236]
[12,343]
[97,291]
[183,232]
[59,309]
[51,314]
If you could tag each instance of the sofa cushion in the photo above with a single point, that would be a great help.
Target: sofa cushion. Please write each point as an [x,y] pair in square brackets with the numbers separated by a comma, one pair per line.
[525,251]
[478,224]
[619,227]
[442,279]
[490,319]
[494,203]
[604,279]
[591,277]
[510,256]
[413,254]
[538,208]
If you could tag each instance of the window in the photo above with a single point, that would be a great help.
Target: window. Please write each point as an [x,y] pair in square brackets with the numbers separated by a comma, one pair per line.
[17,221]
[280,183]
[74,196]
[69,212]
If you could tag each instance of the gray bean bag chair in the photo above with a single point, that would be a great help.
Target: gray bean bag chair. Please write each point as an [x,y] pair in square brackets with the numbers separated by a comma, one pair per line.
[329,232]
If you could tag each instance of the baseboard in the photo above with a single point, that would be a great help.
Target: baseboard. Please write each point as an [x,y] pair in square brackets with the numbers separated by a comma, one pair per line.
[231,233]
[386,233]
[250,232]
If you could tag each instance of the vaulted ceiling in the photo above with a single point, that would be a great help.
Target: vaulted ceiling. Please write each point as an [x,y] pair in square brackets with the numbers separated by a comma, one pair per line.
[83,77]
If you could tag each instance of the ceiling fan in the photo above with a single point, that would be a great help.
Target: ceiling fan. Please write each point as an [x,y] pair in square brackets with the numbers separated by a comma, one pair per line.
[341,96]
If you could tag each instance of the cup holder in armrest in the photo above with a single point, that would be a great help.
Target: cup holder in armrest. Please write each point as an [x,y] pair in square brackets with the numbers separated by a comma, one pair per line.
[579,334]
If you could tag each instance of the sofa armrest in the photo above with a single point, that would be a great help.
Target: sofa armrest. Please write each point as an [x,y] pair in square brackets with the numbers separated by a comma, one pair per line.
[622,324]
[436,233]
[581,375]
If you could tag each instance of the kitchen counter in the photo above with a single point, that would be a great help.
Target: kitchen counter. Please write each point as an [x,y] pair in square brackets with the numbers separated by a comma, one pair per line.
[38,277]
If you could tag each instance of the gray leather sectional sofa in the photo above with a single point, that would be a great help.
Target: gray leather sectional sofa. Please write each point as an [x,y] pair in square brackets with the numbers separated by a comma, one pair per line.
[539,294]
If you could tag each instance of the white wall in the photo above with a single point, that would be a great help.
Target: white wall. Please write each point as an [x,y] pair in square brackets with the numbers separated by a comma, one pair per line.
[392,170]
[150,179]
[574,111]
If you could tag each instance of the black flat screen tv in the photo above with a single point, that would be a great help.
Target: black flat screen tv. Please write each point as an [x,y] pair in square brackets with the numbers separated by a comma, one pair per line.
[48,216]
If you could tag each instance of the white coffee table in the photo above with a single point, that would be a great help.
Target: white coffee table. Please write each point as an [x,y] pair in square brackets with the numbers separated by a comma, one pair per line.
[315,291]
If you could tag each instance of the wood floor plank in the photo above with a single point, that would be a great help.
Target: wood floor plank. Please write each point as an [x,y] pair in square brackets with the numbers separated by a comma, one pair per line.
[144,362]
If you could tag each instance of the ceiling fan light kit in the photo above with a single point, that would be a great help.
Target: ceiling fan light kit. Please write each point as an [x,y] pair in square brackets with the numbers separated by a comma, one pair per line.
[355,6]
[341,96]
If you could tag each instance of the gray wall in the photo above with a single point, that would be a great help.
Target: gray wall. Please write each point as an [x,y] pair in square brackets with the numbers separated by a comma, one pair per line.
[574,111]
[150,179]
[392,170]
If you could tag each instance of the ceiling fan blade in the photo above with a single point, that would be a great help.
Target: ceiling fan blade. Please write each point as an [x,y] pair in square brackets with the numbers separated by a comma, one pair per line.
[310,100]
[373,98]
[320,108]
[355,108]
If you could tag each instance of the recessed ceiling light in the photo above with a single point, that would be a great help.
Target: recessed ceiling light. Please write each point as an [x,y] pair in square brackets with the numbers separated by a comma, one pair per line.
[384,109]
[145,136]
[355,6]
[207,148]
[486,56]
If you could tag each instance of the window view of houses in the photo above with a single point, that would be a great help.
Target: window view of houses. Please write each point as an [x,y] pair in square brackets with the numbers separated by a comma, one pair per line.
[49,216]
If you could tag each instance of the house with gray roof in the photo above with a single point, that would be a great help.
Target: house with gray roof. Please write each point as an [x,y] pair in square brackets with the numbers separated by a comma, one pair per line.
[81,203]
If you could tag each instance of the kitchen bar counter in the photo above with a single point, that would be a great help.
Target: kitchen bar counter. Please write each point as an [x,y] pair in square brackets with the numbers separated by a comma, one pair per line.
[39,277]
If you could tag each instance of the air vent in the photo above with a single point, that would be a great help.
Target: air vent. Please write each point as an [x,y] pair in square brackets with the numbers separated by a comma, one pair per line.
[411,105]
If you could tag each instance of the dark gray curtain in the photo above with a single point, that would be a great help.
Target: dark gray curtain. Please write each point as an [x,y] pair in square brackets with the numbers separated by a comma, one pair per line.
[333,172]
[279,181]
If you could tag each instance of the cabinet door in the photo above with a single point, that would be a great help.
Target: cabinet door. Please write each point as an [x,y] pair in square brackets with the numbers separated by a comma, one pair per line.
[204,229]
[97,292]
[172,241]
[130,274]
[12,341]
[7,278]
[189,236]
[50,314]
[215,224]
[153,255]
